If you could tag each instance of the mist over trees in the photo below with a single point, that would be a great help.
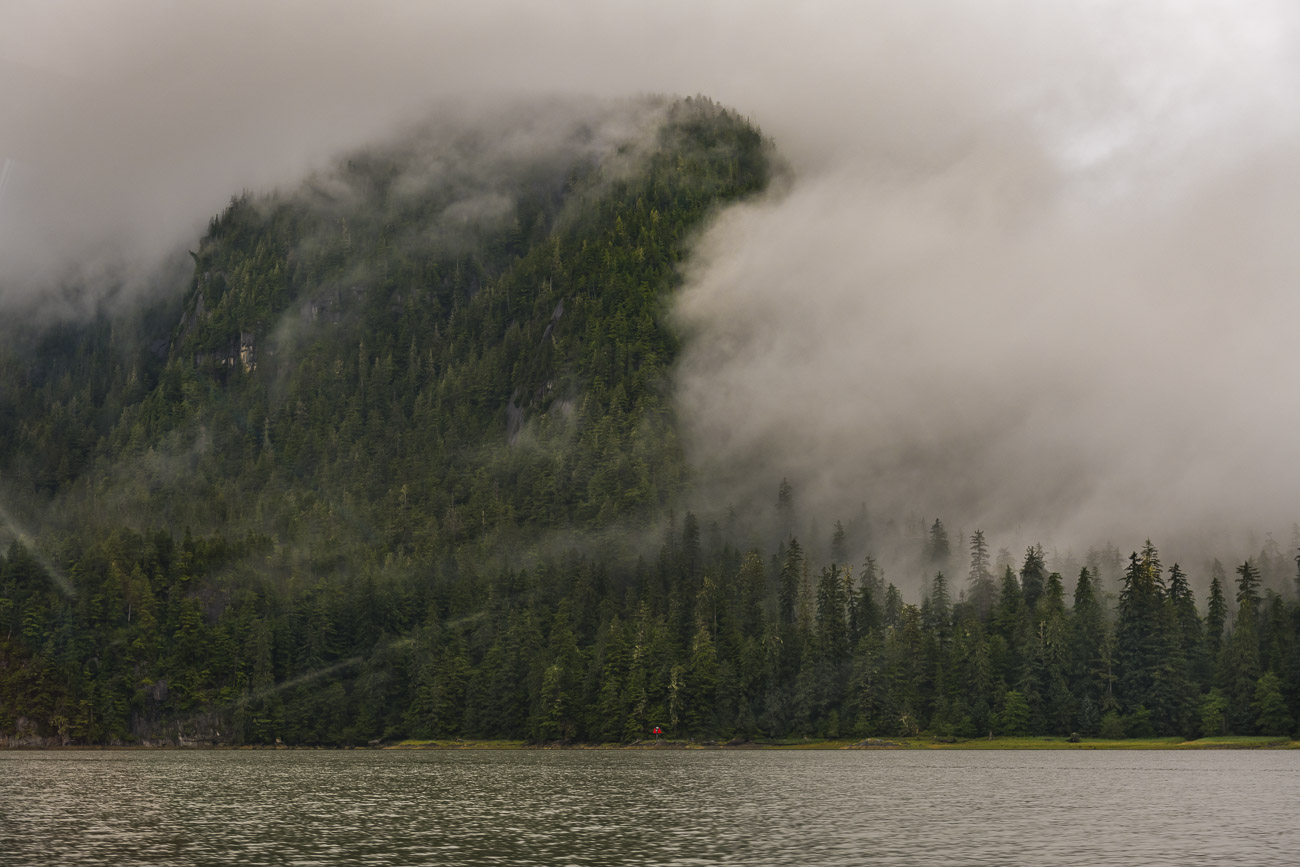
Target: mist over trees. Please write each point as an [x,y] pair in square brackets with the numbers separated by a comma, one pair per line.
[402,461]
[703,640]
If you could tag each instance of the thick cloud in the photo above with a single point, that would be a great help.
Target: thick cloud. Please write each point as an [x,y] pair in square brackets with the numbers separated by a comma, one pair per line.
[126,125]
[1047,286]
[1035,268]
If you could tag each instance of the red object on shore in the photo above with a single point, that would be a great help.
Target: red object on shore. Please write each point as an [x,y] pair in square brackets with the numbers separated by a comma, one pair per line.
[658,731]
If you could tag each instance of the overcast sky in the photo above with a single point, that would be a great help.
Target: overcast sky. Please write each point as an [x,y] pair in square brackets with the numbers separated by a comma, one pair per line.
[1036,271]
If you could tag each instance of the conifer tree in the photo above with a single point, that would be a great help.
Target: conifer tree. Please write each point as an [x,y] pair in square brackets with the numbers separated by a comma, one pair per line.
[1008,632]
[785,508]
[788,592]
[1007,618]
[937,549]
[700,703]
[560,709]
[893,610]
[1032,574]
[982,591]
[1271,714]
[940,602]
[1191,637]
[839,545]
[870,592]
[1216,616]
[1138,632]
[1087,640]
[1248,585]
[1241,663]
[832,630]
[1046,677]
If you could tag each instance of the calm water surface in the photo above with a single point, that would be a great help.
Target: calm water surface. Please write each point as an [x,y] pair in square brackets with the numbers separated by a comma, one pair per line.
[483,807]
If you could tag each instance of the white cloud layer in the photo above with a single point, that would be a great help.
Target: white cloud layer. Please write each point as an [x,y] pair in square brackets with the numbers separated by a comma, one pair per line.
[1037,267]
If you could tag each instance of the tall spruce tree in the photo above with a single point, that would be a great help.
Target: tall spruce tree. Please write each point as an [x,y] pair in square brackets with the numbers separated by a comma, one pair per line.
[1191,637]
[1139,636]
[981,589]
[1216,617]
[938,551]
[1241,662]
[1087,639]
[1032,574]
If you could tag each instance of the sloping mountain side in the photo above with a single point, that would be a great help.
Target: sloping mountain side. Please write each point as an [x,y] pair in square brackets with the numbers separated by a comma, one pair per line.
[447,347]
[400,461]
[444,338]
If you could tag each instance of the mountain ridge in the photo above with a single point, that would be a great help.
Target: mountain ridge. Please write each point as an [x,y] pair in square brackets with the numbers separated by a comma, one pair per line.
[402,463]
[433,356]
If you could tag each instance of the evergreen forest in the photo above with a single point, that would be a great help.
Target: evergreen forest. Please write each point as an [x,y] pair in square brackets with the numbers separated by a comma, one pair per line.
[398,460]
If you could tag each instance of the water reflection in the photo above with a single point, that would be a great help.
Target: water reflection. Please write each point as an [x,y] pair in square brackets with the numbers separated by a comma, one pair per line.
[897,808]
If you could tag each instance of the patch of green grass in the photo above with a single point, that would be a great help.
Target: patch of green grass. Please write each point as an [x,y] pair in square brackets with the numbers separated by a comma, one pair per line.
[1061,743]
[810,744]
[1242,742]
[1027,742]
[455,745]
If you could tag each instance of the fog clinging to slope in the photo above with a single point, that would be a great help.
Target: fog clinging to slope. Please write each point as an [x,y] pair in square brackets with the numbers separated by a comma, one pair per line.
[1035,269]
[1061,310]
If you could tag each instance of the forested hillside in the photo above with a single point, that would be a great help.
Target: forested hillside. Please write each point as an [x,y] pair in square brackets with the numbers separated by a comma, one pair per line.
[398,462]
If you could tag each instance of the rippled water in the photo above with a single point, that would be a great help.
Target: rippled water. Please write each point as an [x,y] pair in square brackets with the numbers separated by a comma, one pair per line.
[509,807]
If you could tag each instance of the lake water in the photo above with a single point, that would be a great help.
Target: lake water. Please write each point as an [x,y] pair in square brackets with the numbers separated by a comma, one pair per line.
[626,807]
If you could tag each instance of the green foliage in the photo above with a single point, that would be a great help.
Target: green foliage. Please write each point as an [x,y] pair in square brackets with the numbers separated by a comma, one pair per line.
[392,432]
[1112,727]
[1271,716]
[1013,718]
[160,636]
[1138,724]
[1213,719]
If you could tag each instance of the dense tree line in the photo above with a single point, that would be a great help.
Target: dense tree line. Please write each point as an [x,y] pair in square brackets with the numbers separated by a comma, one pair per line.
[707,642]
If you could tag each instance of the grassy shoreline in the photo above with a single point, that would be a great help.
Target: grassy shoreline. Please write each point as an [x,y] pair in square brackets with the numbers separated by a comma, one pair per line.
[1231,742]
[1234,742]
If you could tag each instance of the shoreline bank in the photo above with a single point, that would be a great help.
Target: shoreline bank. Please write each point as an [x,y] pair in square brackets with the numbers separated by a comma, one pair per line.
[1243,742]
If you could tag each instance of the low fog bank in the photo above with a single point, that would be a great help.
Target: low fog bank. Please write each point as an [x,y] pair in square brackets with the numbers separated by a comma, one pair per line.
[1062,311]
[125,127]
[1033,271]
